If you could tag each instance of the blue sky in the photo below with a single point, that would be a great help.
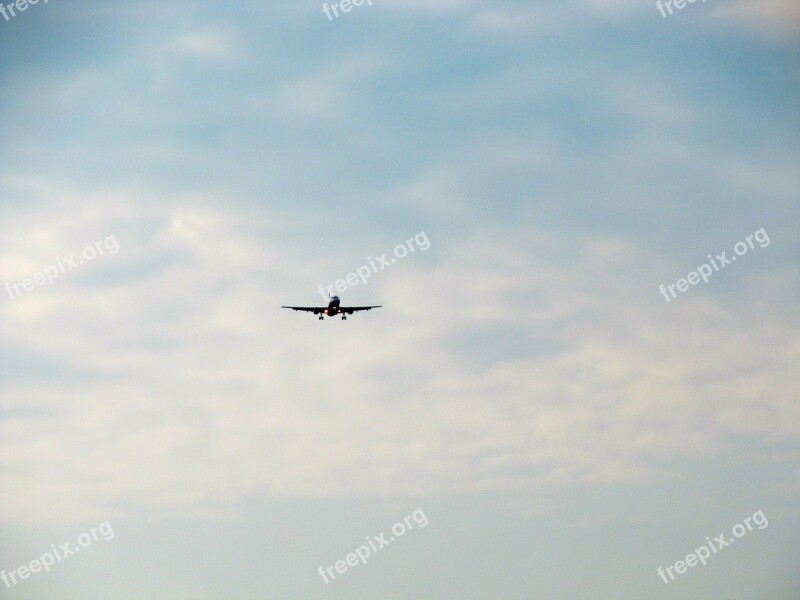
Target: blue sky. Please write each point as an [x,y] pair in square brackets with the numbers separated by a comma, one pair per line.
[564,428]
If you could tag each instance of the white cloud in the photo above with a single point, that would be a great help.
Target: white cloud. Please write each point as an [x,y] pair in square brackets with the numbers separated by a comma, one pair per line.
[329,92]
[216,45]
[775,19]
[772,18]
[193,389]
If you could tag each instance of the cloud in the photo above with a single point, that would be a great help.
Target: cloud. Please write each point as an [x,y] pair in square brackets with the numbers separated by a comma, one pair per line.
[529,351]
[205,44]
[771,18]
[329,92]
[201,391]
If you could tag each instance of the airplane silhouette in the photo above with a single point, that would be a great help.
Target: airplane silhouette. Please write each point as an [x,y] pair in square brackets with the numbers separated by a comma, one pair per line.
[334,308]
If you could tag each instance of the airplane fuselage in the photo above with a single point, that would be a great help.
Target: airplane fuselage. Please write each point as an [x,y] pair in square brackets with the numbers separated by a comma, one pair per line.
[333,306]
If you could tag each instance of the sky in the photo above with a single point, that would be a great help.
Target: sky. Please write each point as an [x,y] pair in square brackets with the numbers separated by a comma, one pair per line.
[172,173]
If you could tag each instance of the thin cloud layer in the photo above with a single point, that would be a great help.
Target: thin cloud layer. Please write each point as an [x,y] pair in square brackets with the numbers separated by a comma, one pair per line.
[184,387]
[525,381]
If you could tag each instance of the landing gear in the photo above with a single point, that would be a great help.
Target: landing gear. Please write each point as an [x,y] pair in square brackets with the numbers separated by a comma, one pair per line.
[320,317]
[344,318]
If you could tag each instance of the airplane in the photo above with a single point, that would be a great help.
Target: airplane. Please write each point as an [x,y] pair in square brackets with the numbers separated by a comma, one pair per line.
[332,309]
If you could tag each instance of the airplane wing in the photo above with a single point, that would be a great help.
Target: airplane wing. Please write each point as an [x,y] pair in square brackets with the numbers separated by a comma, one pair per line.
[352,309]
[314,309]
